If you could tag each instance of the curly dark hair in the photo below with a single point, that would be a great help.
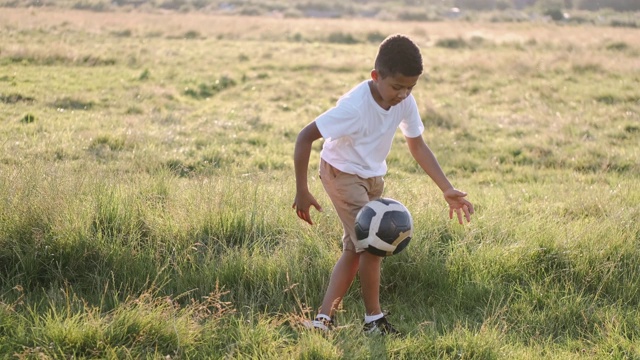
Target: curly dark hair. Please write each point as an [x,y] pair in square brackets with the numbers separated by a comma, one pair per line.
[398,55]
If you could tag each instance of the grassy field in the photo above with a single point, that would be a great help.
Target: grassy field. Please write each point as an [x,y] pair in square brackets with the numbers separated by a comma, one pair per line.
[146,182]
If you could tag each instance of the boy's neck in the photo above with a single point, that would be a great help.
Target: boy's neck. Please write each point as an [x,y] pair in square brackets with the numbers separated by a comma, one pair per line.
[376,95]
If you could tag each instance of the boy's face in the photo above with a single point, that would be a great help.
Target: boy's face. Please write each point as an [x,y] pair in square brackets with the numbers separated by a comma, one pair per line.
[391,90]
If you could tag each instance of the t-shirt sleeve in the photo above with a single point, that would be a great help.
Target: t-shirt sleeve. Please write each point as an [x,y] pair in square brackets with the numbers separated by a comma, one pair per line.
[412,125]
[339,121]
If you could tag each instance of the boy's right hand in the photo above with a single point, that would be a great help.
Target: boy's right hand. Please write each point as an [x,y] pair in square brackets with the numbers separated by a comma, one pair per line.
[302,204]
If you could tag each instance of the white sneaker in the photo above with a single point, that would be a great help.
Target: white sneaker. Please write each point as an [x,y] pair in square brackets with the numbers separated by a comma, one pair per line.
[320,324]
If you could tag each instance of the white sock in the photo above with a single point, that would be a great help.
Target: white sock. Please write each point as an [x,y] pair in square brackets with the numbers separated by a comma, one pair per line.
[323,316]
[370,318]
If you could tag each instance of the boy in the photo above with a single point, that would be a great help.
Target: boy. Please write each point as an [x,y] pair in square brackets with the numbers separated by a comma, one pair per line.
[358,134]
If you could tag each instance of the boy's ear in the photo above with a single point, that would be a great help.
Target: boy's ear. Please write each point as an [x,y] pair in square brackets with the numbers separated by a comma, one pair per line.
[375,75]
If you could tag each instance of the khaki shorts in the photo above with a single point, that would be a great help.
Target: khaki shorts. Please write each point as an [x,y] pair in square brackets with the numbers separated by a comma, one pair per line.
[349,193]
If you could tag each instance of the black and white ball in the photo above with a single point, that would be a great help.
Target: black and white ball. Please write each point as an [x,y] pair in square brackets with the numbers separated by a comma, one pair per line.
[384,227]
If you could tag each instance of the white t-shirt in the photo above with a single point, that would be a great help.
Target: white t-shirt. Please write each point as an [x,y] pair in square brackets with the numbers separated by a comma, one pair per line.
[358,133]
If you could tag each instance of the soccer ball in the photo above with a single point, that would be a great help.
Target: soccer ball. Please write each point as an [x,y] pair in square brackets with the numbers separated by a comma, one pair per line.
[384,227]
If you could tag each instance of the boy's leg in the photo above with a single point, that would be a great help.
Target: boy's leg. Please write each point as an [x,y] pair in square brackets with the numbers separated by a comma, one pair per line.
[374,320]
[369,271]
[342,276]
[349,194]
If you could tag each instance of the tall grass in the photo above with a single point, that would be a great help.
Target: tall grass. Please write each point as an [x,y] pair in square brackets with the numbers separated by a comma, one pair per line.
[139,219]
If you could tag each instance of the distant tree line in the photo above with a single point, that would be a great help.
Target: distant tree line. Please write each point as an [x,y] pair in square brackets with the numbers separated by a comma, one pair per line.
[347,7]
[592,5]
[413,10]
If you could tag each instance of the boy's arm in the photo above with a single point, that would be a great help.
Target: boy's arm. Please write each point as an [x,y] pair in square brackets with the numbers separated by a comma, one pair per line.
[304,200]
[428,162]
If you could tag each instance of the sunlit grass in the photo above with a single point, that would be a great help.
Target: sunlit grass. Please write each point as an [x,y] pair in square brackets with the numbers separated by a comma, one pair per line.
[146,182]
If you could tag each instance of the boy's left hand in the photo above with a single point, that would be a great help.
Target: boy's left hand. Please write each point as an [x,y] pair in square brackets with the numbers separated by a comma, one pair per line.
[458,204]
